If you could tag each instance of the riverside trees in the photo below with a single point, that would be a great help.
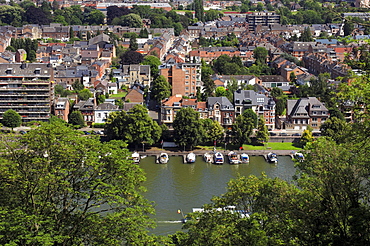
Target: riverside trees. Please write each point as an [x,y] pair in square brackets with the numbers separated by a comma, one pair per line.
[60,188]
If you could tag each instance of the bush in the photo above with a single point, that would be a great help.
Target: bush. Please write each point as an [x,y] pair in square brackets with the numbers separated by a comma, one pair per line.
[98,125]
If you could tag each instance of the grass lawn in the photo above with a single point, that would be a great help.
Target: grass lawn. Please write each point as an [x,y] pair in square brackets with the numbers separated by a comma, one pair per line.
[120,95]
[273,146]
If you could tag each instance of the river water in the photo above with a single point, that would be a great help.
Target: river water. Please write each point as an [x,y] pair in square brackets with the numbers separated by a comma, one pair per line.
[175,185]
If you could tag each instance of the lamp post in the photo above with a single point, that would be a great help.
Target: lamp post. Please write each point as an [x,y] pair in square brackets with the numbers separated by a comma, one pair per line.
[143,147]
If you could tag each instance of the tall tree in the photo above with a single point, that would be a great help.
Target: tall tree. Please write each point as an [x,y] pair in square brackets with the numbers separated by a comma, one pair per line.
[11,119]
[161,89]
[131,57]
[262,135]
[135,127]
[260,55]
[187,128]
[306,35]
[70,190]
[76,119]
[153,62]
[242,129]
[335,129]
[212,131]
[199,10]
[133,44]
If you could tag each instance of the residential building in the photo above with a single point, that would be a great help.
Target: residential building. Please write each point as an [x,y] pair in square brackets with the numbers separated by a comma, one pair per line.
[184,78]
[135,95]
[261,104]
[270,81]
[133,74]
[305,112]
[222,110]
[103,110]
[87,108]
[262,19]
[32,99]
[62,108]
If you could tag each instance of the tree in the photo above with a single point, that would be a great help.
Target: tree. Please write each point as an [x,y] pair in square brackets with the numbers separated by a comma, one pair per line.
[242,129]
[76,119]
[71,190]
[212,131]
[133,44]
[199,10]
[306,35]
[187,128]
[306,138]
[260,55]
[84,94]
[11,119]
[153,62]
[262,135]
[335,129]
[348,28]
[249,113]
[161,89]
[212,14]
[135,127]
[131,57]
[77,85]
[132,20]
[95,17]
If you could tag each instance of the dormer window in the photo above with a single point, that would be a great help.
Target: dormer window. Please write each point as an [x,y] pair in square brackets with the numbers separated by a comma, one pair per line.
[38,71]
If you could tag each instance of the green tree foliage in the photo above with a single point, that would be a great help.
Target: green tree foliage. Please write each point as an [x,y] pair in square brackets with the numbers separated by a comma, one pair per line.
[133,44]
[11,119]
[335,129]
[199,10]
[306,35]
[131,20]
[59,90]
[306,138]
[71,190]
[208,83]
[187,128]
[11,15]
[84,94]
[262,135]
[260,55]
[243,127]
[135,127]
[77,85]
[29,45]
[161,89]
[228,66]
[212,14]
[35,15]
[153,62]
[213,131]
[100,99]
[116,12]
[76,119]
[95,17]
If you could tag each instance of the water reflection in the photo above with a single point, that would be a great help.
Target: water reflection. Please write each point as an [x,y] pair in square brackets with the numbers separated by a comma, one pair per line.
[176,185]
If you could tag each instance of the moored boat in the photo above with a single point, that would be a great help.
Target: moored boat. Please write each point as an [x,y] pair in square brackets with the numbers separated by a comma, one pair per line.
[244,158]
[163,158]
[207,157]
[218,158]
[299,156]
[135,157]
[272,157]
[190,158]
[233,158]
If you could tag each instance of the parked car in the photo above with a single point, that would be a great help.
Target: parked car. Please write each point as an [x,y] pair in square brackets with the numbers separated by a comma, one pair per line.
[297,134]
[316,134]
[283,134]
[272,133]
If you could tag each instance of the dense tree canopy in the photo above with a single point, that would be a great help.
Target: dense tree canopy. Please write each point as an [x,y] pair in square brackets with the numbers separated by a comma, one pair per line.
[11,119]
[76,119]
[243,127]
[187,128]
[60,188]
[153,62]
[135,127]
[161,89]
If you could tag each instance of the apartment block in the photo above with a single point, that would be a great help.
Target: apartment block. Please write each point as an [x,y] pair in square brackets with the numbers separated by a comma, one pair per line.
[184,78]
[32,99]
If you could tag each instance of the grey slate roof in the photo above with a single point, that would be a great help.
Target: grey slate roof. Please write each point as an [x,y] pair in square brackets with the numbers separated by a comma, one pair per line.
[223,101]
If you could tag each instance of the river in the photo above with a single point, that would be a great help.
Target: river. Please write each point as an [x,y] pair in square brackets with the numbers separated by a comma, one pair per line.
[175,185]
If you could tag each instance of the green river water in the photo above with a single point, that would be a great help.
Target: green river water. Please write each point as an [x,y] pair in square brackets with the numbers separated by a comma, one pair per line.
[176,185]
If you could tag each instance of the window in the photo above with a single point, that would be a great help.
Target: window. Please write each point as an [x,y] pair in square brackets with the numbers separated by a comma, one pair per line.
[314,112]
[314,125]
[99,115]
[260,99]
[314,119]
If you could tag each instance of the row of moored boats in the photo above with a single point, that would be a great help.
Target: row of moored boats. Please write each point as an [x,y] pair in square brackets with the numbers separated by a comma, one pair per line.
[216,157]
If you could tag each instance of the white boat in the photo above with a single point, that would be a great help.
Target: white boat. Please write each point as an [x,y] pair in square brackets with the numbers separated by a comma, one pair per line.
[272,157]
[299,156]
[218,158]
[190,158]
[163,158]
[136,157]
[244,158]
[207,157]
[233,158]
